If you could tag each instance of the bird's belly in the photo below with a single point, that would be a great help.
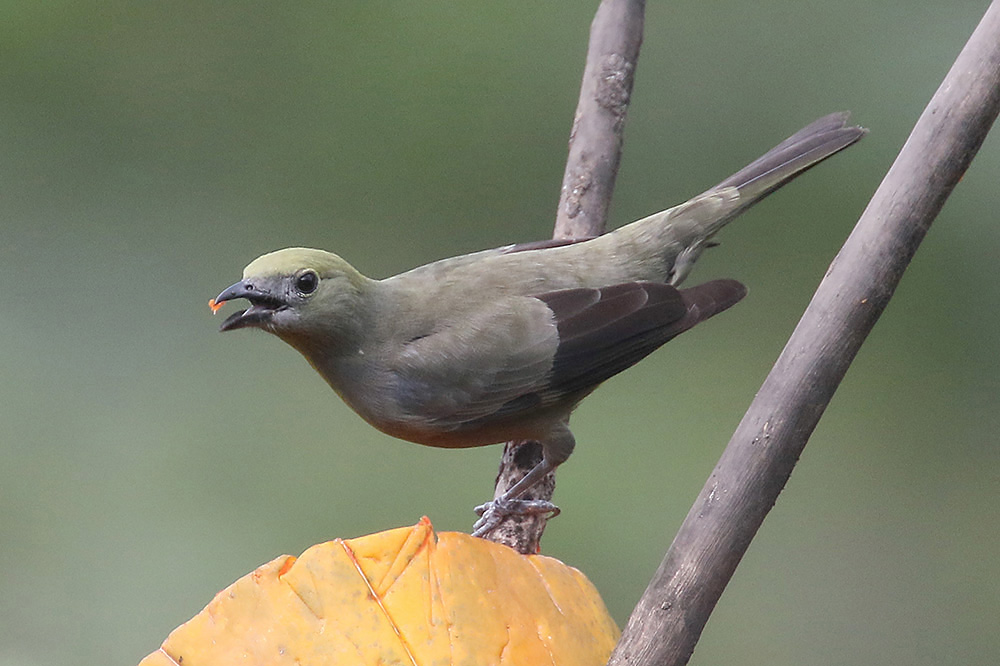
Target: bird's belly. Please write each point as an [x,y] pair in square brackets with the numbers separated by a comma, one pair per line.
[480,433]
[413,411]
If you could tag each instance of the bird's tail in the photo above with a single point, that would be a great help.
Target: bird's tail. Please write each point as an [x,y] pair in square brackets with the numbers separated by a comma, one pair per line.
[701,217]
[674,239]
[793,156]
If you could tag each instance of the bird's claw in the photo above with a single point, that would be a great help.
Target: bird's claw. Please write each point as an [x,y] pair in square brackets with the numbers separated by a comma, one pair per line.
[492,513]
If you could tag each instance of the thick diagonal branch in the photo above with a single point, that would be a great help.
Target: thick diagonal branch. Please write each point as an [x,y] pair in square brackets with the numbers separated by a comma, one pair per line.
[669,618]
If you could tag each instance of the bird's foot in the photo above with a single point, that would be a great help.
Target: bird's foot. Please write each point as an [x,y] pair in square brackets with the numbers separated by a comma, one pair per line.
[492,513]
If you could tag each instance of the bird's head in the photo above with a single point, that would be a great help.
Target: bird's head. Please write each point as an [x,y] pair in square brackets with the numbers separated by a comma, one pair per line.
[296,292]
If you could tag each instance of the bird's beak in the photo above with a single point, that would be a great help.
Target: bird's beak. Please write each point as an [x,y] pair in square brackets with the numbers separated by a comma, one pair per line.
[263,304]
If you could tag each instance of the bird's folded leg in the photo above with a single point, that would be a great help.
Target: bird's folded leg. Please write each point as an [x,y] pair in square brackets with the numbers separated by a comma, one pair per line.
[556,448]
[494,512]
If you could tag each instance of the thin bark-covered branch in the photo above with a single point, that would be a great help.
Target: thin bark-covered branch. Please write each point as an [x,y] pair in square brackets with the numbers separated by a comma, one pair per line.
[669,618]
[595,144]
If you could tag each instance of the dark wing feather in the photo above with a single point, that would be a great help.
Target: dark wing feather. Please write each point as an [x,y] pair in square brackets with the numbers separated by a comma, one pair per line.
[604,331]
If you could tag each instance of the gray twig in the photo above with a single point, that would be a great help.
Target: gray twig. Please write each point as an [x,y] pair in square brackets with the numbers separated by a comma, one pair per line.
[595,144]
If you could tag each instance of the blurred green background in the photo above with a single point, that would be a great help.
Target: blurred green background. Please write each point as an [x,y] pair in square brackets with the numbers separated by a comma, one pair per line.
[151,149]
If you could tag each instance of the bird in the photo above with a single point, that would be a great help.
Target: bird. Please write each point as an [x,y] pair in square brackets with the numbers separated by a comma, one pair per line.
[503,344]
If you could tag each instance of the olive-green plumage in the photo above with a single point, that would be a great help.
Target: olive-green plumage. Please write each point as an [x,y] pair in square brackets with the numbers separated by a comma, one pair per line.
[503,344]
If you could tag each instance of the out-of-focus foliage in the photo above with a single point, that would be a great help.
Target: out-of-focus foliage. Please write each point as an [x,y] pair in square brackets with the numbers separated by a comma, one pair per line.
[151,149]
[402,596]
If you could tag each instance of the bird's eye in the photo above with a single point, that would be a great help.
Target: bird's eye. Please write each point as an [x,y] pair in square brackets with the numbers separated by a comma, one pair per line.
[307,282]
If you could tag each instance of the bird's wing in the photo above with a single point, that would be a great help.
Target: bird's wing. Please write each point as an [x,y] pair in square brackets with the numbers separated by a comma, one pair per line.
[476,365]
[528,353]
[605,331]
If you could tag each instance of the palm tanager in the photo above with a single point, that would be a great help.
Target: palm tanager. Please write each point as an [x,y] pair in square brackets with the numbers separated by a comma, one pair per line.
[503,344]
